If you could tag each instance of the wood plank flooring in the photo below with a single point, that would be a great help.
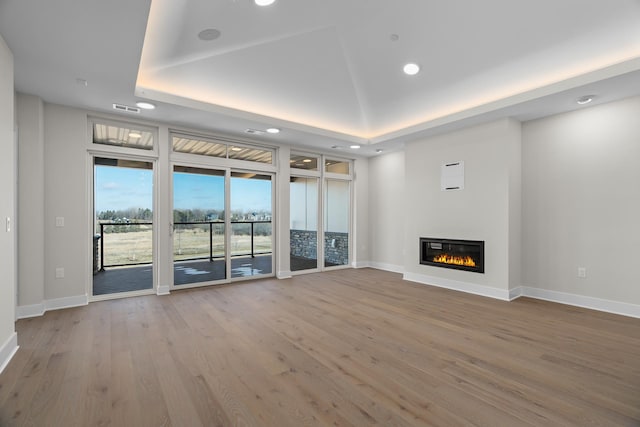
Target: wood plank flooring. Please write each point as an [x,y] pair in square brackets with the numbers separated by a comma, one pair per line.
[343,348]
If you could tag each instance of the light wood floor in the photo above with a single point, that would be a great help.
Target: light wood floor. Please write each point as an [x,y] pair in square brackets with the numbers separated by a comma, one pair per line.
[349,347]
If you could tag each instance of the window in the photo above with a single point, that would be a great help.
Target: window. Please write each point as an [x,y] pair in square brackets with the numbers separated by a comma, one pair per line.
[199,146]
[221,149]
[123,135]
[337,166]
[306,162]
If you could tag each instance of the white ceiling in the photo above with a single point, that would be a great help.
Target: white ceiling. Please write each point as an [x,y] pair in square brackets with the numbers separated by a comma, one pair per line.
[327,72]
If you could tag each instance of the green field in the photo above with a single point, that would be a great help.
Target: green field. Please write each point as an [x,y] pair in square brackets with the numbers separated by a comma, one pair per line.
[136,246]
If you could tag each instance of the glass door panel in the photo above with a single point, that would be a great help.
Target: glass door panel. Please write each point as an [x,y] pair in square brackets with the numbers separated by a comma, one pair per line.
[251,240]
[336,222]
[123,219]
[198,225]
[303,223]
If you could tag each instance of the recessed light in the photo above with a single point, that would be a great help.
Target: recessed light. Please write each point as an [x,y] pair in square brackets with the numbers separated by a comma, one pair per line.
[209,34]
[273,130]
[354,146]
[145,105]
[135,135]
[236,149]
[264,2]
[306,161]
[585,99]
[379,150]
[82,82]
[411,69]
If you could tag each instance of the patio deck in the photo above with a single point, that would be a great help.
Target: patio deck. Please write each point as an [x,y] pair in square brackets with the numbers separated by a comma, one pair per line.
[136,278]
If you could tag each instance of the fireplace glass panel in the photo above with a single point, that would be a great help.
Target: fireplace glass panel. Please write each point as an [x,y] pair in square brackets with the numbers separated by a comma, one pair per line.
[465,255]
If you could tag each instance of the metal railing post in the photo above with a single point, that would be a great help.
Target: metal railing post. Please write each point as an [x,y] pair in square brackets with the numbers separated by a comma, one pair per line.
[252,255]
[210,241]
[101,247]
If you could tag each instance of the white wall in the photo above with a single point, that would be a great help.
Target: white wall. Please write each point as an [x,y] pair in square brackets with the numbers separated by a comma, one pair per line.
[386,211]
[30,115]
[8,337]
[66,188]
[479,212]
[581,202]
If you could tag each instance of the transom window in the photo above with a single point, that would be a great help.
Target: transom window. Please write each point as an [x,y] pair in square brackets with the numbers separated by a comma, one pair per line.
[122,135]
[221,149]
[306,162]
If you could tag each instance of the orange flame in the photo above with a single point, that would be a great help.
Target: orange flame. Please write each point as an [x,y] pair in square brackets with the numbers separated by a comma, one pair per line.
[456,260]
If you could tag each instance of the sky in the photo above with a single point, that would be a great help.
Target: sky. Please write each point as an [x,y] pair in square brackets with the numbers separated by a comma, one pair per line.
[119,188]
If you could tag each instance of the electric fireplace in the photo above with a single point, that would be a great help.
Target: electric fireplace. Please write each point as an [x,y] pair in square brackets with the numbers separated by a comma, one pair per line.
[465,255]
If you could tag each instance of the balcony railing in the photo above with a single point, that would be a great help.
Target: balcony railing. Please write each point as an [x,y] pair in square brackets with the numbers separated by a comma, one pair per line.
[192,241]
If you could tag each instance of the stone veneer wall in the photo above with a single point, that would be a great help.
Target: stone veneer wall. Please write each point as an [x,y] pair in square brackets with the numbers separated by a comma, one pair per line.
[304,244]
[336,246]
[338,253]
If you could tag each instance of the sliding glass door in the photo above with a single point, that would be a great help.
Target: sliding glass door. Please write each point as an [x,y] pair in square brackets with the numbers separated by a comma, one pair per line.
[251,237]
[303,223]
[123,226]
[337,202]
[211,246]
[199,240]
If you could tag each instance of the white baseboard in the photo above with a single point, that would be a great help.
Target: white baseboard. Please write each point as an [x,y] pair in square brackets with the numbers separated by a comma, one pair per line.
[284,275]
[163,290]
[361,264]
[26,311]
[8,349]
[615,307]
[516,293]
[387,267]
[67,302]
[456,285]
[34,310]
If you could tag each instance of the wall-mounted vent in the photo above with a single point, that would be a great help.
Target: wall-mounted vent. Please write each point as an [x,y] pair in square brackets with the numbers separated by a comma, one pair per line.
[126,108]
[452,176]
[254,132]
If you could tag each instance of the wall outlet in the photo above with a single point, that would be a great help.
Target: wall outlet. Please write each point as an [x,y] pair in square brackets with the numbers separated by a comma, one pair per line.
[582,272]
[59,273]
[59,221]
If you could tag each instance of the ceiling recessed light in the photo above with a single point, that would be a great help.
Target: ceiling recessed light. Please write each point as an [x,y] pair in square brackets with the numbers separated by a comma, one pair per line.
[411,69]
[209,34]
[354,146]
[379,150]
[264,2]
[273,130]
[306,161]
[135,135]
[145,105]
[236,149]
[585,99]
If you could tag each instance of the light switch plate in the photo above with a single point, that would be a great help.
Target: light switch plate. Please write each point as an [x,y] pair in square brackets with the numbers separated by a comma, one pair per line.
[59,221]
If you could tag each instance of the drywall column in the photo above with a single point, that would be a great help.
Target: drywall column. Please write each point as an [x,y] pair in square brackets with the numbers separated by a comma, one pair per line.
[66,187]
[163,209]
[30,117]
[8,336]
[386,211]
[361,215]
[481,211]
[283,214]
